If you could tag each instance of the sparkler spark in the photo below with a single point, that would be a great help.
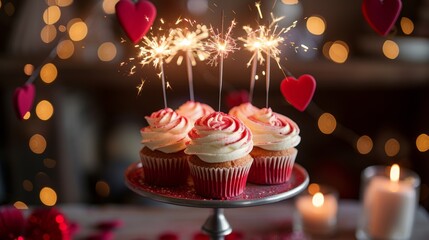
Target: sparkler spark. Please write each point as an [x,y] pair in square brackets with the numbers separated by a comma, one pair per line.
[140,86]
[220,45]
[156,50]
[191,42]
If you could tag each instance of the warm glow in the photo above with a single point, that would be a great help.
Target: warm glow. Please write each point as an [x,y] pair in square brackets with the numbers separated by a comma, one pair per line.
[364,144]
[63,3]
[327,123]
[48,196]
[27,185]
[392,147]
[20,205]
[106,52]
[109,6]
[339,52]
[316,25]
[313,188]
[290,2]
[44,110]
[390,49]
[37,144]
[78,31]
[48,33]
[28,69]
[318,199]
[65,49]
[48,73]
[407,25]
[51,15]
[102,188]
[422,142]
[394,173]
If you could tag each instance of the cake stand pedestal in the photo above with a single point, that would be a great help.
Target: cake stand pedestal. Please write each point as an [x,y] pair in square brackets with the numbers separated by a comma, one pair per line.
[217,225]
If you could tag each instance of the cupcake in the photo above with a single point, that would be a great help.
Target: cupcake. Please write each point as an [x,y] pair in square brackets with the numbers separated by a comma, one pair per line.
[194,110]
[275,138]
[164,140]
[243,110]
[219,159]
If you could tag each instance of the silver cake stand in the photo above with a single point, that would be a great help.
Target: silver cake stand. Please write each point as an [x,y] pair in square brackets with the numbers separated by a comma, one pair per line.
[217,225]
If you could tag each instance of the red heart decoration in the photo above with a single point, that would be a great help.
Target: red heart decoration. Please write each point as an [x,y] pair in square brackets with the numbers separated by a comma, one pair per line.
[135,18]
[381,14]
[298,92]
[23,99]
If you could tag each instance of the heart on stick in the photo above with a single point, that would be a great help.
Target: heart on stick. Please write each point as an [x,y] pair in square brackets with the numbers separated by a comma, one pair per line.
[298,92]
[135,18]
[23,99]
[381,14]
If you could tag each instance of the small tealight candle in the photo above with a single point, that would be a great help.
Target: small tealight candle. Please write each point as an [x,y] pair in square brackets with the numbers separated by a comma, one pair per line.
[389,203]
[317,210]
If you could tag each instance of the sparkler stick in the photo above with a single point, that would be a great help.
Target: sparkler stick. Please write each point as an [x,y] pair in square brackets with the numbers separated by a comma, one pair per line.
[267,78]
[164,94]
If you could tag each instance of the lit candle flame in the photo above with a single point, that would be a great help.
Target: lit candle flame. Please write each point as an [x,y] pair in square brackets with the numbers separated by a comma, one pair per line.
[318,199]
[394,173]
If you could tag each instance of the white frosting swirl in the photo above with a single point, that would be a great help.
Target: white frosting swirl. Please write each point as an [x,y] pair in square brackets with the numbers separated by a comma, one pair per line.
[272,131]
[219,137]
[194,110]
[243,110]
[167,131]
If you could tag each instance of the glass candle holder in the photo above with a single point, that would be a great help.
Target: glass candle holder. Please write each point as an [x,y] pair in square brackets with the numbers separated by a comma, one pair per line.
[317,210]
[389,198]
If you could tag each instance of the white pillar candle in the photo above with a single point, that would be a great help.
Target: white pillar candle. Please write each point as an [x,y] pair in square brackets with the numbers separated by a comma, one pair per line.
[389,206]
[318,213]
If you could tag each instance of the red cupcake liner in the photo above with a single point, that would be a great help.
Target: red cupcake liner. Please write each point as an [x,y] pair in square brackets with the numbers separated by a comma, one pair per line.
[272,169]
[165,172]
[219,183]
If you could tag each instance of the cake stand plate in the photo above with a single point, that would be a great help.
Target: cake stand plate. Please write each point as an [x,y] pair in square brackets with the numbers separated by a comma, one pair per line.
[216,225]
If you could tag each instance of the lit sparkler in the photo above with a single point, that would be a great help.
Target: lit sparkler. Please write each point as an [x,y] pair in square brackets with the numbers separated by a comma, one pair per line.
[190,42]
[155,51]
[220,45]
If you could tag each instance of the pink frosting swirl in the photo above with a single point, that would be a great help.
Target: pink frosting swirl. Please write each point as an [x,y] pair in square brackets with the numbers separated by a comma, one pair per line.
[243,110]
[167,131]
[194,110]
[219,137]
[272,131]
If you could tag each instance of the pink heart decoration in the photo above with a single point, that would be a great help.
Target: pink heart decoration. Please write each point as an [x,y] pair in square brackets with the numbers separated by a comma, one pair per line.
[298,92]
[381,14]
[23,99]
[135,18]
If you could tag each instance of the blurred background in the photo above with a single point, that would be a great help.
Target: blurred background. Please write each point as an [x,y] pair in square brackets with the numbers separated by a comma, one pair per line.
[370,106]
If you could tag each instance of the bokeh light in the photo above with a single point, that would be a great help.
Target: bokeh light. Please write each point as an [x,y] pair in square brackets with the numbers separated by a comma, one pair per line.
[102,188]
[9,8]
[422,142]
[37,144]
[49,163]
[62,28]
[290,2]
[65,49]
[48,73]
[20,205]
[51,15]
[339,52]
[390,49]
[407,25]
[109,6]
[392,147]
[313,188]
[327,123]
[48,196]
[63,3]
[27,185]
[44,110]
[27,116]
[325,49]
[48,33]
[106,52]
[28,69]
[364,144]
[197,7]
[316,25]
[78,30]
